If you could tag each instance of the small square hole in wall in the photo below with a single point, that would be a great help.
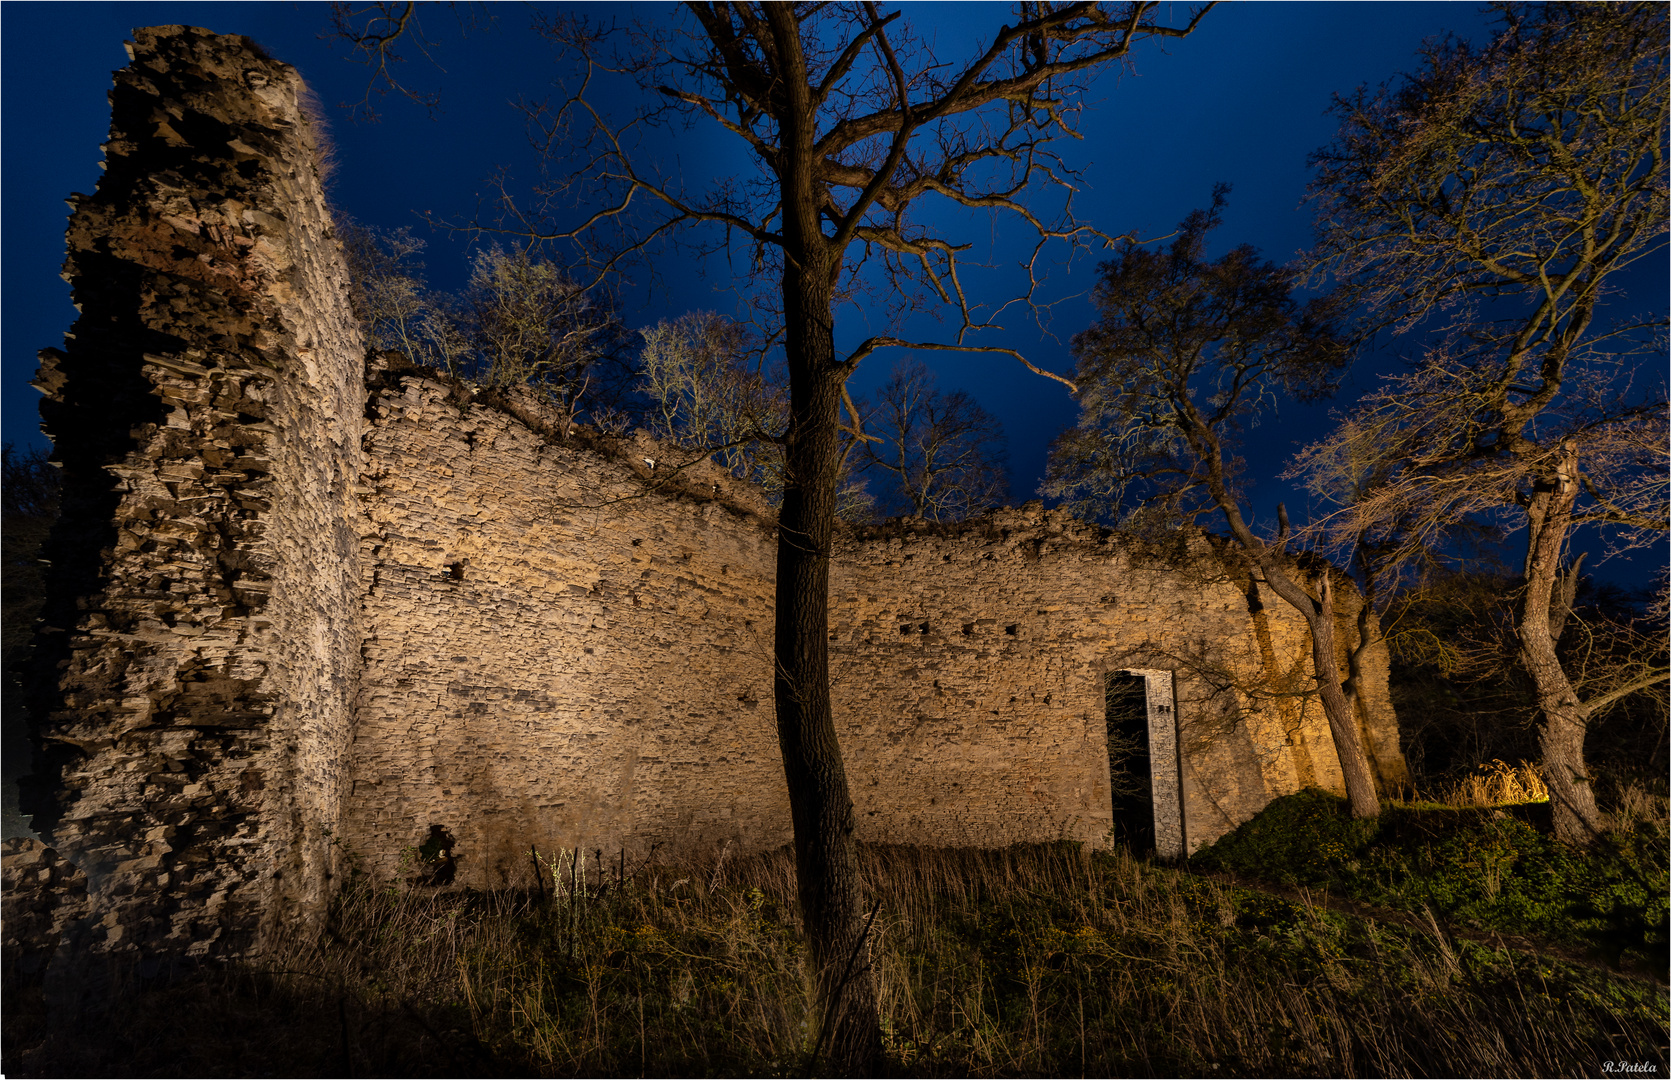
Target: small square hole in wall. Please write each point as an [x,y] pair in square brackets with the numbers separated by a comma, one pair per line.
[1013,629]
[968,628]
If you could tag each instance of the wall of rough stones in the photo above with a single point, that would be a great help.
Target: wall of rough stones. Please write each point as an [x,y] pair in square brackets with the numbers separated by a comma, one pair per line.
[558,653]
[561,654]
[200,646]
[301,611]
[972,665]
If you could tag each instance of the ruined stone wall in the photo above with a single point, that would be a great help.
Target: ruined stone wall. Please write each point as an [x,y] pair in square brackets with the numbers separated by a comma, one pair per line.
[560,655]
[969,667]
[201,641]
[293,618]
[555,656]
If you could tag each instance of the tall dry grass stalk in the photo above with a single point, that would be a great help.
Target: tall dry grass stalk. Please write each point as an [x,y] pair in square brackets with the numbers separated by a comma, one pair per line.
[1498,784]
[1635,806]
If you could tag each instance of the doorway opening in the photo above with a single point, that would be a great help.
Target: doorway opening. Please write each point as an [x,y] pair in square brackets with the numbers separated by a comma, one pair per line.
[1130,769]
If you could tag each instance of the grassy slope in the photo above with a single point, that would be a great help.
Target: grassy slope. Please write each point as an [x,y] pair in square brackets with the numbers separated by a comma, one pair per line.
[1037,961]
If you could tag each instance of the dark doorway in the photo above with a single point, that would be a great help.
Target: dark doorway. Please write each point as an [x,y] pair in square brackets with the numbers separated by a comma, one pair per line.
[1126,700]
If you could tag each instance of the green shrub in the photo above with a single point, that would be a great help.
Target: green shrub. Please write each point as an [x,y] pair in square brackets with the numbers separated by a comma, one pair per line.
[1490,869]
[1309,838]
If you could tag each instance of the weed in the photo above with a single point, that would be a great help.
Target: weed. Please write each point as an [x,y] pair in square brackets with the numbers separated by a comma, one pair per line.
[1491,869]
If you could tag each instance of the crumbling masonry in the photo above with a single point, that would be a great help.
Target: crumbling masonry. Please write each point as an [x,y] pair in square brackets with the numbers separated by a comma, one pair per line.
[305,607]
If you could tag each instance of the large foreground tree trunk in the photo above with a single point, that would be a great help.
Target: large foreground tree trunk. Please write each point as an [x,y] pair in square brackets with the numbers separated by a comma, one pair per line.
[822,808]
[849,1035]
[1572,797]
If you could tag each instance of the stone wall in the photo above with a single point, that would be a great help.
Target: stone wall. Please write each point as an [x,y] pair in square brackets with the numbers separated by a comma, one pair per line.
[561,653]
[971,667]
[200,647]
[297,617]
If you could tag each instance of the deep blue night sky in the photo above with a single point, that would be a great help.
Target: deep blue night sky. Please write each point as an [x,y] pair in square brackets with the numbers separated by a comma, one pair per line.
[1242,101]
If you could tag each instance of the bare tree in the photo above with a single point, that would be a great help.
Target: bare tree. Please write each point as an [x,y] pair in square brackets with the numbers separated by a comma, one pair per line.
[384,34]
[943,453]
[1186,353]
[854,123]
[532,325]
[1465,698]
[1488,201]
[704,394]
[709,388]
[521,320]
[397,308]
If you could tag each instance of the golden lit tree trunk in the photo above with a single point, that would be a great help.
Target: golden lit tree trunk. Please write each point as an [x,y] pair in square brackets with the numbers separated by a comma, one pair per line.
[1338,706]
[1561,739]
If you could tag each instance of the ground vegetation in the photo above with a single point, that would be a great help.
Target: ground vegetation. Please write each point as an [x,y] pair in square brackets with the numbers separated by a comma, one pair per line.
[1028,961]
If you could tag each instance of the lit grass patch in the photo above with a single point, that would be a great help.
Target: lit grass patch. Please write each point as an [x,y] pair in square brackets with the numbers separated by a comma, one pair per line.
[1480,868]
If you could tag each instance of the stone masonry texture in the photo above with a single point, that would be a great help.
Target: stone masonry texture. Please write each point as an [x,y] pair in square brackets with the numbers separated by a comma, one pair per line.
[201,636]
[308,604]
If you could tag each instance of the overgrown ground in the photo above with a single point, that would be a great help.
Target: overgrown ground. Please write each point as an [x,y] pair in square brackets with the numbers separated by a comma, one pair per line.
[1035,961]
[1488,873]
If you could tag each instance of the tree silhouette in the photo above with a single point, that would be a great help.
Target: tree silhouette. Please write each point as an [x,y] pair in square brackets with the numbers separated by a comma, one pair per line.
[708,387]
[1186,353]
[943,455]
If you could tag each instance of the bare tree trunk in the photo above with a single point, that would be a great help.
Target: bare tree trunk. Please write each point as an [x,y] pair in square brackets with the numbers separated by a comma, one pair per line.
[1337,704]
[819,800]
[826,864]
[1572,798]
[1319,618]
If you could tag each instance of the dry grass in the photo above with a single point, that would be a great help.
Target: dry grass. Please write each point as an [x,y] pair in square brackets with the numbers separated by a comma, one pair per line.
[1632,803]
[1038,961]
[1635,806]
[1498,784]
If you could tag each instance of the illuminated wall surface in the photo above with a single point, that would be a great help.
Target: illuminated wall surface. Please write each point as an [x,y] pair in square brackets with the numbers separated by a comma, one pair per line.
[305,608]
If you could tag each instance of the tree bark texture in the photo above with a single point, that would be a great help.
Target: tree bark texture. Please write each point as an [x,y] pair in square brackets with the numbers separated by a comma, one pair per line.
[849,1035]
[820,804]
[1572,797]
[1318,613]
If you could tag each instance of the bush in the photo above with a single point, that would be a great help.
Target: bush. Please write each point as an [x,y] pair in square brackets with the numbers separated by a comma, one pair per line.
[1494,869]
[1310,838]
